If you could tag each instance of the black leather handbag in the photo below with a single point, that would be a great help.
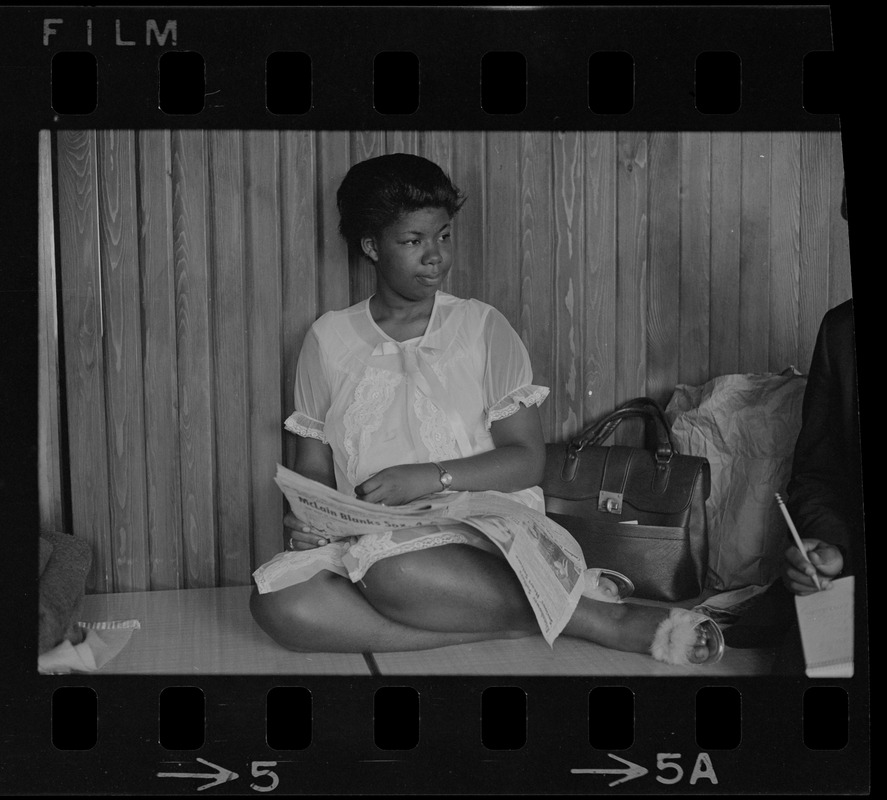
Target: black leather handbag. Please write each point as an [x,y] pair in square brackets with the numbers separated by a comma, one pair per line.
[639,511]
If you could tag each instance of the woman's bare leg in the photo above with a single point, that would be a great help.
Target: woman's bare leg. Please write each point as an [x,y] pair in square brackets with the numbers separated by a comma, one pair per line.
[431,598]
[458,587]
[621,626]
[454,587]
[327,614]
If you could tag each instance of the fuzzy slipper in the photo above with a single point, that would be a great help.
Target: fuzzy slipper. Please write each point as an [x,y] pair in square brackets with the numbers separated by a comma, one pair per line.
[594,591]
[682,630]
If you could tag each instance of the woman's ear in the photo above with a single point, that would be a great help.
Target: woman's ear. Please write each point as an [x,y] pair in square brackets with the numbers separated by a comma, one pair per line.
[368,245]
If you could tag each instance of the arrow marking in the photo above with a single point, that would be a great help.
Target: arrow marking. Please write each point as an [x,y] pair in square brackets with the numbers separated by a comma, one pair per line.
[221,775]
[633,771]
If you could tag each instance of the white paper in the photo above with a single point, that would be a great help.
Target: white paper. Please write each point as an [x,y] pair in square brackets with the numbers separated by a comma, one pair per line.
[826,622]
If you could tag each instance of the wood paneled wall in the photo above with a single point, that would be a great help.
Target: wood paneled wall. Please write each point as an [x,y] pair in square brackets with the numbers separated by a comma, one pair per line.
[191,263]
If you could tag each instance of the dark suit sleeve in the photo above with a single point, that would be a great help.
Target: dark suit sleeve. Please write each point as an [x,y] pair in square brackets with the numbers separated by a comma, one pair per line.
[825,488]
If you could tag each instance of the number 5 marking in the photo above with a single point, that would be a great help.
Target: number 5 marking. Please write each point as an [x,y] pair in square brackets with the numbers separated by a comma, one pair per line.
[258,770]
[663,762]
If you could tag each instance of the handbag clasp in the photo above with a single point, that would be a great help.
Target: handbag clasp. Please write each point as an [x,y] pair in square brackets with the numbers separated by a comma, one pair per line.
[610,502]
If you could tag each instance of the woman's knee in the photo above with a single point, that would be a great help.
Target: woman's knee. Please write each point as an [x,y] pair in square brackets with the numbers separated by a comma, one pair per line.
[392,582]
[290,616]
[446,574]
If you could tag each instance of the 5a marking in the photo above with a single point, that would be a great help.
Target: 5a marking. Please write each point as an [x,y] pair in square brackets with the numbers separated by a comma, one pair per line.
[665,763]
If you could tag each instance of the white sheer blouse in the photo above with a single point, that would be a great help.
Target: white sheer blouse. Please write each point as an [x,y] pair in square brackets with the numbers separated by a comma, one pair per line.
[378,402]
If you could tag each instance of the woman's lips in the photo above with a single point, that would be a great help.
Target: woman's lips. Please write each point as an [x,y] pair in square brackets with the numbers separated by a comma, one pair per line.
[428,280]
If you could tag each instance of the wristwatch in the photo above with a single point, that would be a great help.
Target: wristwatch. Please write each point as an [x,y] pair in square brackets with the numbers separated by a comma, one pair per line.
[445,478]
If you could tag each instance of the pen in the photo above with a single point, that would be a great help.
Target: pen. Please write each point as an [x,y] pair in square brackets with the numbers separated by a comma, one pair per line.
[797,538]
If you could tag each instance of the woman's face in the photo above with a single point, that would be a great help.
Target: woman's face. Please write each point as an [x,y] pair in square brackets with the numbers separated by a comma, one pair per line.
[413,255]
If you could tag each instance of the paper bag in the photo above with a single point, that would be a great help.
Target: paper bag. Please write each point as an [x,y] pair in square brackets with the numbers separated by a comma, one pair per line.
[746,426]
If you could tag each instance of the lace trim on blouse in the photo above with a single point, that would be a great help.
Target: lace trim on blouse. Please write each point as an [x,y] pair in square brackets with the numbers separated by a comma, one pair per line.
[526,395]
[296,423]
[434,429]
[372,397]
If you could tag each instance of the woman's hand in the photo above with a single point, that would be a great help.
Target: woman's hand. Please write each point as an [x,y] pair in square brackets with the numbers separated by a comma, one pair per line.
[300,535]
[394,486]
[797,574]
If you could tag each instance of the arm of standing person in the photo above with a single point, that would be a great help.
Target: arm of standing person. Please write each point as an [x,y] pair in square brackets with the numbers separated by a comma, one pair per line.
[823,501]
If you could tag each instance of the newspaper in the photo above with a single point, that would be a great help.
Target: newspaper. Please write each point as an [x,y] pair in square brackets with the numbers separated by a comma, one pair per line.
[546,559]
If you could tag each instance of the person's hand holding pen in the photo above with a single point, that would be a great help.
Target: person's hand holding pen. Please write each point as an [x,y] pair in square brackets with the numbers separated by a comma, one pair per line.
[823,562]
[808,560]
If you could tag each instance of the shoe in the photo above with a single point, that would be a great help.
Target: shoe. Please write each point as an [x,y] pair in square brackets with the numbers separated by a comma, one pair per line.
[683,630]
[594,591]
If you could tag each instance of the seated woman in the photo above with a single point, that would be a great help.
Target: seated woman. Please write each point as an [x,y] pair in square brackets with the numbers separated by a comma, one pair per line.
[414,392]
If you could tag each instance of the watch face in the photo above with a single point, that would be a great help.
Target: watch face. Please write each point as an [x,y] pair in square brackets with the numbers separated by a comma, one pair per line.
[446,479]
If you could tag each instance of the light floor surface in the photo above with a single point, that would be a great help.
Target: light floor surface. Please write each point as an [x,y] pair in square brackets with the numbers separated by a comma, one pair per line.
[211,632]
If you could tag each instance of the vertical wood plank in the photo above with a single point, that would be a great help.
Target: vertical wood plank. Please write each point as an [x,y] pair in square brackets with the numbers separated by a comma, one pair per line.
[161,393]
[230,363]
[123,360]
[569,282]
[536,278]
[52,516]
[299,257]
[815,213]
[754,287]
[79,259]
[469,174]
[502,226]
[840,287]
[402,142]
[437,146]
[366,145]
[362,278]
[631,297]
[334,160]
[600,275]
[196,435]
[664,313]
[785,206]
[695,257]
[264,323]
[726,211]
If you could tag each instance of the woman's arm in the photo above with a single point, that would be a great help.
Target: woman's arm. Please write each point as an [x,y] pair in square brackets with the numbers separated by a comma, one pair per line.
[517,462]
[314,460]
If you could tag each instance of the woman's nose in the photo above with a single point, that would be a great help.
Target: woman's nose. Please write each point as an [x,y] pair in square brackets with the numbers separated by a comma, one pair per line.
[433,255]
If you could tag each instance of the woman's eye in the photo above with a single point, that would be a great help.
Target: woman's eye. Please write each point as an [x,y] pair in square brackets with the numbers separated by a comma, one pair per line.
[445,237]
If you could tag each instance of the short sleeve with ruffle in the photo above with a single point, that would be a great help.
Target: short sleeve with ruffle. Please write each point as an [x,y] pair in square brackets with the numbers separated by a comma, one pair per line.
[508,378]
[311,392]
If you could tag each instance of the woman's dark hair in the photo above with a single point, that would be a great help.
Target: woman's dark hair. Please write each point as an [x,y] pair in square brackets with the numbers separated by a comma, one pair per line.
[377,192]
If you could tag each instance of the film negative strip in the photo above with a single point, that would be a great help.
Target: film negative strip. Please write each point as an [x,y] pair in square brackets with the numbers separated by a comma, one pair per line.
[654,201]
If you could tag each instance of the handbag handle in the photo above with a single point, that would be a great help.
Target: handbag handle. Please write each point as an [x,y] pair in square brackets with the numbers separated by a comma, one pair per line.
[658,433]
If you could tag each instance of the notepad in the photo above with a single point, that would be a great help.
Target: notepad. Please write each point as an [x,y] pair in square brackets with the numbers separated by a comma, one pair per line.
[826,622]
